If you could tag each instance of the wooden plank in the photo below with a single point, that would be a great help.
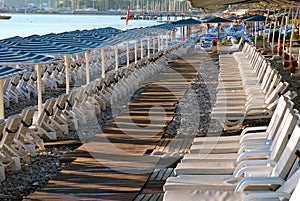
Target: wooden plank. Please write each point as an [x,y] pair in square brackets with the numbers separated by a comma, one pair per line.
[168,173]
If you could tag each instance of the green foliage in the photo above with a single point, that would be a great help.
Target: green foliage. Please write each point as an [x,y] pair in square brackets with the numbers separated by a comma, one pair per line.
[214,42]
[224,42]
[237,40]
[296,35]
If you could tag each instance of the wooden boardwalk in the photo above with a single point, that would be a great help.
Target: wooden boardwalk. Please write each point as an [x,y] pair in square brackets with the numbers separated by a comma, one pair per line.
[116,163]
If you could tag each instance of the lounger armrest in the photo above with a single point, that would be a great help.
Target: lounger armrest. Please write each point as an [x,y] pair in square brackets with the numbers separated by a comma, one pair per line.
[248,163]
[256,141]
[252,136]
[256,128]
[260,195]
[244,171]
[245,182]
[253,147]
[255,154]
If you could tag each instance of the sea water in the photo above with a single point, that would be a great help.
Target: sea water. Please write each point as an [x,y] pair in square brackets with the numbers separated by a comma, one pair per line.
[28,24]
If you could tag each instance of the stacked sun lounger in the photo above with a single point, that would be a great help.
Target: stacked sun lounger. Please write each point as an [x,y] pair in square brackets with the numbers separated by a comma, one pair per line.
[249,88]
[251,164]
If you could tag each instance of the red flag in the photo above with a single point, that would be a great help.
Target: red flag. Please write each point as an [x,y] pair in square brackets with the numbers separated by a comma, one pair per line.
[128,15]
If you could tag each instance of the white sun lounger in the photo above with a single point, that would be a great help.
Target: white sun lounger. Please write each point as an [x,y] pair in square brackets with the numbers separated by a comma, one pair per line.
[249,153]
[288,190]
[280,170]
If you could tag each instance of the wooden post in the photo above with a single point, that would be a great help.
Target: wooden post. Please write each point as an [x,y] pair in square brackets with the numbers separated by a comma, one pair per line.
[167,40]
[273,37]
[142,50]
[87,66]
[39,89]
[2,116]
[135,52]
[67,74]
[153,45]
[116,58]
[148,41]
[264,34]
[128,57]
[255,34]
[158,43]
[103,63]
[279,35]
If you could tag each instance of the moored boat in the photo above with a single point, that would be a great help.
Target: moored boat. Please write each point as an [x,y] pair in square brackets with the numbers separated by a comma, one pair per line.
[5,17]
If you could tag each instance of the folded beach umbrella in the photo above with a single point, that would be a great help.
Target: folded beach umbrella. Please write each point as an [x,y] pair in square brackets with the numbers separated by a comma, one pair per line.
[14,58]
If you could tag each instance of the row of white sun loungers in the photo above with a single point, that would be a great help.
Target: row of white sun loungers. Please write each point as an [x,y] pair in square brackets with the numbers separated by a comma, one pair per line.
[262,163]
[235,167]
[23,133]
[249,88]
[24,86]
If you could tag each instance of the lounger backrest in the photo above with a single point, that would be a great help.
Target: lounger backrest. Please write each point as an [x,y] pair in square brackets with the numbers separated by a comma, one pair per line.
[278,115]
[2,125]
[280,88]
[264,76]
[27,118]
[288,156]
[296,193]
[281,139]
[291,186]
[10,129]
[46,112]
[260,70]
[271,85]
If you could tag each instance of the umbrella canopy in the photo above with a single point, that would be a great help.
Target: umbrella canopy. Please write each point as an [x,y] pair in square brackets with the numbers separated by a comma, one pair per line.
[255,18]
[6,71]
[9,57]
[45,48]
[217,20]
[186,22]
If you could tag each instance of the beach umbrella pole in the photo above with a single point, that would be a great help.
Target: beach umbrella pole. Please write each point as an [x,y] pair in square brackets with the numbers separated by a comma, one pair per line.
[158,43]
[153,46]
[273,37]
[135,52]
[142,51]
[128,58]
[255,33]
[148,42]
[1,100]
[67,74]
[103,63]
[87,66]
[265,26]
[167,40]
[39,89]
[219,31]
[116,58]
[279,35]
